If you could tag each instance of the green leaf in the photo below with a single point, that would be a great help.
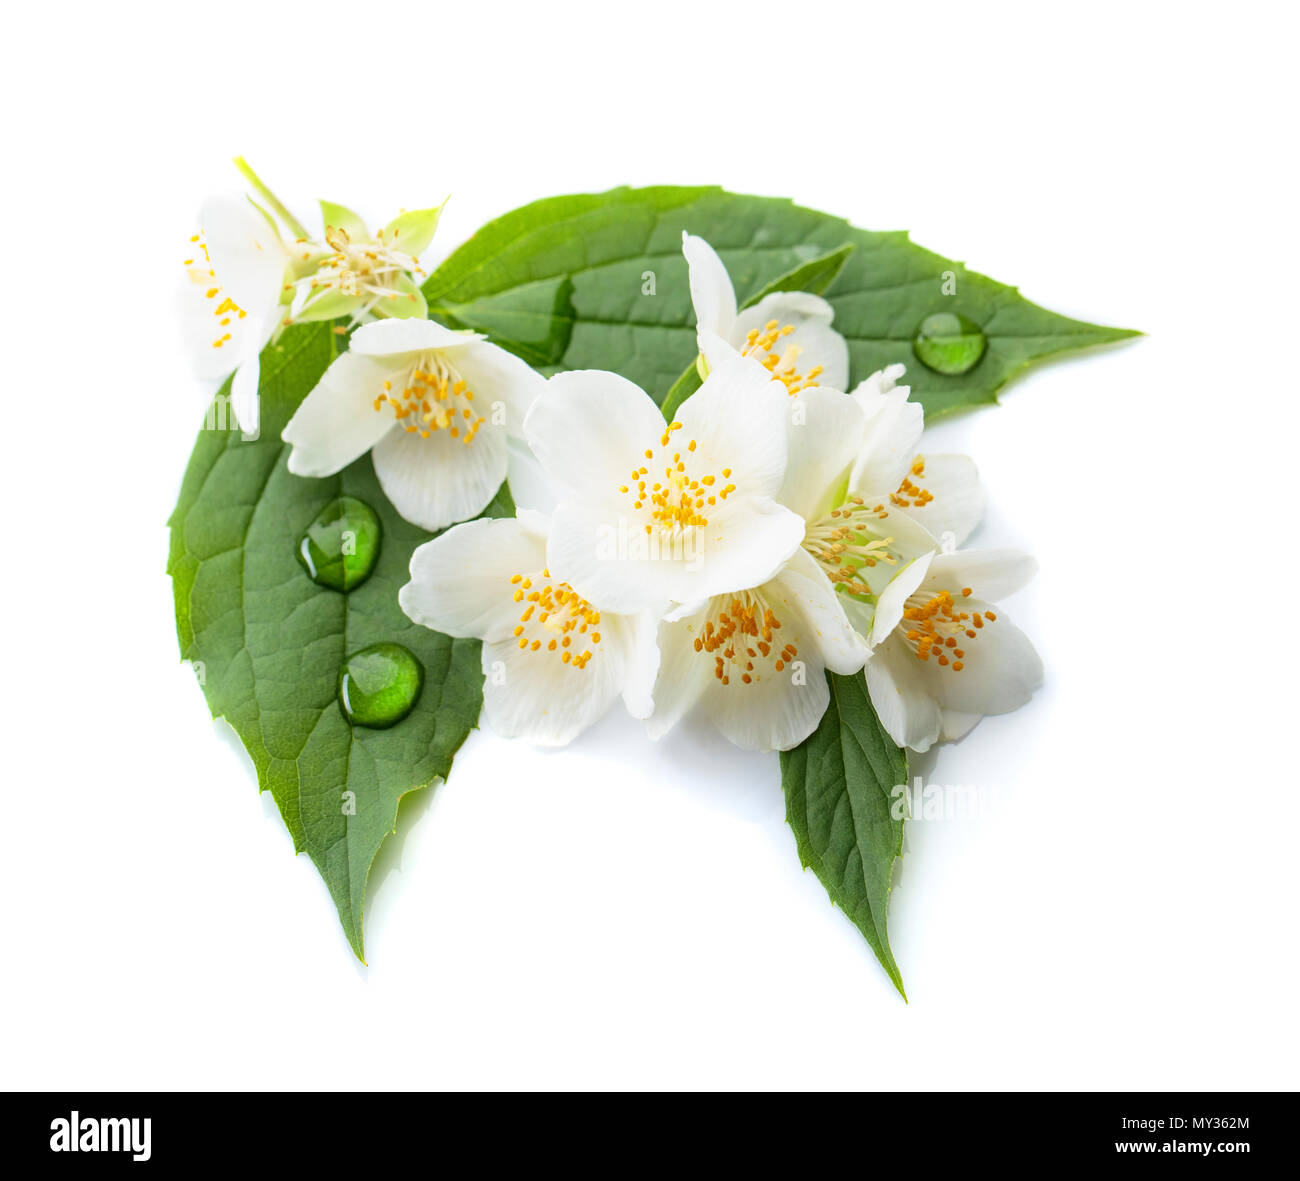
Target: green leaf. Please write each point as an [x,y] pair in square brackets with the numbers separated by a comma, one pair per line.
[814,277]
[681,389]
[840,798]
[587,281]
[269,641]
[599,281]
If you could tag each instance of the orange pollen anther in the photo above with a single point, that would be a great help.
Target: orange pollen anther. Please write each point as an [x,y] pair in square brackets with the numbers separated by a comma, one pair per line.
[371,270]
[933,627]
[848,540]
[740,634]
[554,615]
[761,344]
[199,272]
[910,493]
[433,398]
[677,500]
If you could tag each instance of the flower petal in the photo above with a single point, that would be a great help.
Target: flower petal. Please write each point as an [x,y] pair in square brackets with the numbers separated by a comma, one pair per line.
[390,338]
[643,662]
[775,713]
[892,600]
[880,382]
[714,350]
[494,375]
[958,502]
[712,294]
[246,253]
[892,433]
[438,481]
[682,675]
[906,540]
[216,339]
[337,422]
[1000,670]
[900,693]
[860,615]
[589,429]
[957,725]
[820,346]
[460,581]
[534,696]
[738,420]
[802,587]
[610,562]
[992,574]
[825,436]
[243,397]
[530,485]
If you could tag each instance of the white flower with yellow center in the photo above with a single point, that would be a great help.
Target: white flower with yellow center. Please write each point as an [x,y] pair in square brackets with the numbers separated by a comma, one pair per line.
[942,655]
[871,503]
[235,270]
[434,407]
[877,513]
[361,274]
[754,661]
[552,663]
[654,513]
[788,332]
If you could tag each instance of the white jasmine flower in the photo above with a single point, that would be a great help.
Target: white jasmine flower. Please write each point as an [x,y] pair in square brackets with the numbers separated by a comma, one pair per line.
[788,332]
[552,663]
[230,308]
[433,406]
[754,661]
[876,514]
[362,274]
[941,492]
[942,656]
[665,513]
[855,478]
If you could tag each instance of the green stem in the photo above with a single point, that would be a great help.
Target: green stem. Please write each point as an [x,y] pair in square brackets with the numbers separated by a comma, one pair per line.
[270,198]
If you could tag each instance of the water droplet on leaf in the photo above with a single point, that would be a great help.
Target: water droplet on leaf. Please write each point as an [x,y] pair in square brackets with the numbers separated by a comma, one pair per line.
[949,343]
[378,685]
[340,547]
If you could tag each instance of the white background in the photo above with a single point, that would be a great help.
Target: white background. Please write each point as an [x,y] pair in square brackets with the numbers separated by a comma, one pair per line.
[629,915]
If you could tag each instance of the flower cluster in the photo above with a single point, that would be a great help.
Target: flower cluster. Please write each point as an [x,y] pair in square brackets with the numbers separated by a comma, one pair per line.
[722,562]
[780,526]
[252,269]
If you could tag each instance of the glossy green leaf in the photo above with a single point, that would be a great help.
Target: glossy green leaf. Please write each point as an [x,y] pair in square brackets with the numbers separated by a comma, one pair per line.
[598,281]
[268,642]
[840,798]
[587,281]
[813,276]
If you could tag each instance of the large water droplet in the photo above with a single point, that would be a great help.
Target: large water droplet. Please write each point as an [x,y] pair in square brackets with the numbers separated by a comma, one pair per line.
[379,685]
[949,343]
[340,547]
